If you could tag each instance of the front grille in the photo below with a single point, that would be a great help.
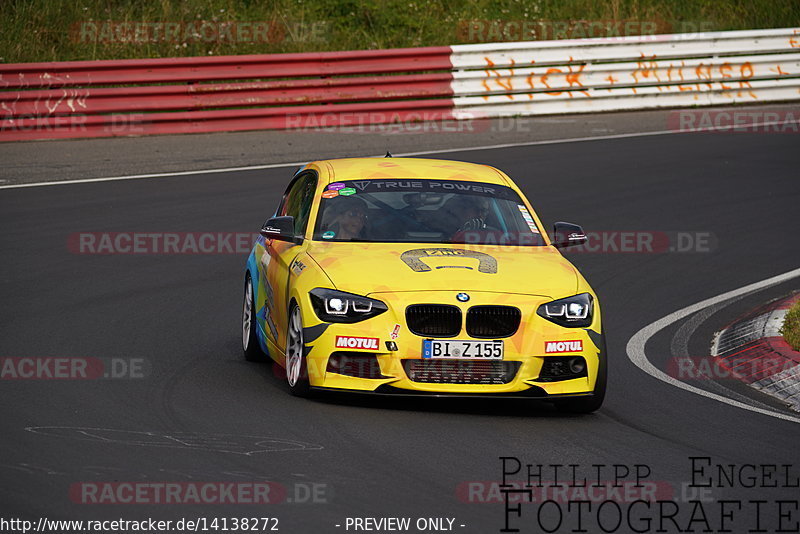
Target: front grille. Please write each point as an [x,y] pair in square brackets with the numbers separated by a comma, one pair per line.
[493,321]
[460,371]
[434,320]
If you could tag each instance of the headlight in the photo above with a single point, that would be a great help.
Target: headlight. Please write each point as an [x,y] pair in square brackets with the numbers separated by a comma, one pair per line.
[572,312]
[339,307]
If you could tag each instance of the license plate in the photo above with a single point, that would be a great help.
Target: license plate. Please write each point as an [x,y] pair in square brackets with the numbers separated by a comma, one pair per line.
[462,349]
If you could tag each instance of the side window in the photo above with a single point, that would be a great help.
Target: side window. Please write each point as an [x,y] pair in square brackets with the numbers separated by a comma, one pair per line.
[297,201]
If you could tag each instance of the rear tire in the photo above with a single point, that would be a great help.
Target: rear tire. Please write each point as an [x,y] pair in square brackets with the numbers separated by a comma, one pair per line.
[296,365]
[250,347]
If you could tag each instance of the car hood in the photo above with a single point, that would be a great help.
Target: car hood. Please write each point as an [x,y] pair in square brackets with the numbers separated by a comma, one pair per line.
[366,268]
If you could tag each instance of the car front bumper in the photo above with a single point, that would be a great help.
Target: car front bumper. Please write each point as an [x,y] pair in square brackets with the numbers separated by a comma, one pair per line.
[526,351]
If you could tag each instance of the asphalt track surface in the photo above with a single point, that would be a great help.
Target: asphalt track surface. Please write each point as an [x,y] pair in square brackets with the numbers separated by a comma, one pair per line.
[201,406]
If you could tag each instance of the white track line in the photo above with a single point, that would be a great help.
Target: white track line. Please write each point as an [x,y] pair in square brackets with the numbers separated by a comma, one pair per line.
[422,153]
[636,345]
[154,175]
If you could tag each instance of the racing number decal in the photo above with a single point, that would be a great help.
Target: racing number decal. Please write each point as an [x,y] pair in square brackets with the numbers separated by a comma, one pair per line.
[486,264]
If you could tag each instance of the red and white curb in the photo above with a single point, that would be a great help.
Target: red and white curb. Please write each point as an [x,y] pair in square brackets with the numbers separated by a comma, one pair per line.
[754,352]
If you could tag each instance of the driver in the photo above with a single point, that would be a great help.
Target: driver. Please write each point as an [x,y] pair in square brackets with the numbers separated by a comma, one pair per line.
[477,210]
[461,213]
[350,219]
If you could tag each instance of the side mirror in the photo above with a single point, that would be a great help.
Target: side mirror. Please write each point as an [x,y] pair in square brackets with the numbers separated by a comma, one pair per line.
[567,235]
[280,228]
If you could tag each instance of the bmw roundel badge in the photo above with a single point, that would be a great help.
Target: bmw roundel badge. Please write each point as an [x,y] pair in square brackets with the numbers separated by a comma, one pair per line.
[462,297]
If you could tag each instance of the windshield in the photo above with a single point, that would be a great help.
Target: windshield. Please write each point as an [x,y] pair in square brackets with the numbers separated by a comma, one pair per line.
[424,211]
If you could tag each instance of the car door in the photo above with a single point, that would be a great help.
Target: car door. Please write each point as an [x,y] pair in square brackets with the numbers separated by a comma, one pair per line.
[278,255]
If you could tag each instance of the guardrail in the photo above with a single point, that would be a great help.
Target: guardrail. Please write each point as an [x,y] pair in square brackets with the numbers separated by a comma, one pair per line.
[627,73]
[329,89]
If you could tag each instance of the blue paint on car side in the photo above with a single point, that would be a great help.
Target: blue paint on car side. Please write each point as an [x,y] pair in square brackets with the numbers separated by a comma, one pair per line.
[252,268]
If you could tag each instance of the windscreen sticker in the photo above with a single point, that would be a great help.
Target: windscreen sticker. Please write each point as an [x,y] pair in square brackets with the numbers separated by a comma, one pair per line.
[433,186]
[528,219]
[328,235]
[330,194]
[347,191]
[486,263]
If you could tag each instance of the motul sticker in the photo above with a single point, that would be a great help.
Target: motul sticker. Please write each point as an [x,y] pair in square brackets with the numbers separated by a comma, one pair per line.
[362,343]
[554,347]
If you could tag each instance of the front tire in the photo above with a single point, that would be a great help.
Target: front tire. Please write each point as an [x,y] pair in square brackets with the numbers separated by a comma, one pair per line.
[250,347]
[296,365]
[593,403]
[586,404]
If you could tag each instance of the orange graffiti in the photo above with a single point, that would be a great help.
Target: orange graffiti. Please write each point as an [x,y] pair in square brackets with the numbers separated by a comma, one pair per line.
[725,70]
[646,66]
[573,78]
[748,67]
[544,81]
[680,72]
[498,78]
[529,81]
[488,72]
[704,72]
[508,85]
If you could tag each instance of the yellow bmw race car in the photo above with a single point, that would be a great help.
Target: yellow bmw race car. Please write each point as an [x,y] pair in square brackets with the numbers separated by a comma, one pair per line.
[419,276]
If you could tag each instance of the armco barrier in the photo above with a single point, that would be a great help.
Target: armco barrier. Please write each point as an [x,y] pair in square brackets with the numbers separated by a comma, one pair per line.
[207,94]
[626,73]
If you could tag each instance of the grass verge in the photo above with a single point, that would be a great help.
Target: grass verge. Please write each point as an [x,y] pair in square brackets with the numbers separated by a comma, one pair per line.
[791,327]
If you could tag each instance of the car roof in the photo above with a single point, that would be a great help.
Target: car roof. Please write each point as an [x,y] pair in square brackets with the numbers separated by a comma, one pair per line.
[409,168]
